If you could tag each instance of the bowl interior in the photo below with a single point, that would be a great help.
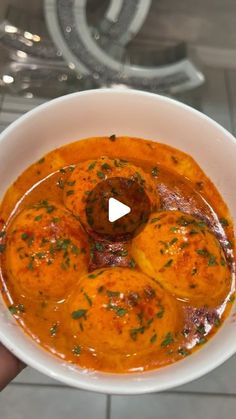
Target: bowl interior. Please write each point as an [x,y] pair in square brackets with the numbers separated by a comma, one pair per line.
[130,113]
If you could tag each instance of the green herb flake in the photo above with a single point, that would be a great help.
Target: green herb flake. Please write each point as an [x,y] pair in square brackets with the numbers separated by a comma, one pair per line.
[38,218]
[168,340]
[201,341]
[232,298]
[217,322]
[160,313]
[121,311]
[92,276]
[183,221]
[92,165]
[55,220]
[203,252]
[174,229]
[224,222]
[113,293]
[222,262]
[168,263]
[78,314]
[2,248]
[194,271]
[60,183]
[120,162]
[31,264]
[74,249]
[40,255]
[112,137]
[132,263]
[16,309]
[173,241]
[70,192]
[100,289]
[53,330]
[201,329]
[76,350]
[212,261]
[106,166]
[174,159]
[100,175]
[99,247]
[24,236]
[2,234]
[155,171]
[192,232]
[153,338]
[71,182]
[136,331]
[90,303]
[183,352]
[154,220]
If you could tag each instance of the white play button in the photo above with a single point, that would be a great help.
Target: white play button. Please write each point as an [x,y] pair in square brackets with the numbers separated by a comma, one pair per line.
[117,210]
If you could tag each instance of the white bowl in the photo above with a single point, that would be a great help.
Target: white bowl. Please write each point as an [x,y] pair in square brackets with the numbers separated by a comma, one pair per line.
[132,113]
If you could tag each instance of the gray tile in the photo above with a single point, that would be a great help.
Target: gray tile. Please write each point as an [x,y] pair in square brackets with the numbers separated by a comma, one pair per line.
[172,406]
[214,97]
[20,104]
[231,88]
[31,376]
[27,402]
[220,380]
[7,118]
[2,127]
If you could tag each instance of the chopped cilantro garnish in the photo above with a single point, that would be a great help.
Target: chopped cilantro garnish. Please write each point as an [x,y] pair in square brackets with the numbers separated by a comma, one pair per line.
[92,276]
[113,293]
[224,222]
[212,261]
[160,313]
[78,314]
[2,248]
[168,340]
[71,182]
[54,329]
[183,352]
[132,263]
[153,338]
[92,165]
[134,332]
[168,263]
[70,192]
[106,166]
[88,299]
[173,241]
[16,309]
[155,171]
[38,218]
[101,175]
[76,350]
[154,220]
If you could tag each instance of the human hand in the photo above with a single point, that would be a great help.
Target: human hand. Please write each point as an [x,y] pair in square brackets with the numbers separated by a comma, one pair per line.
[10,366]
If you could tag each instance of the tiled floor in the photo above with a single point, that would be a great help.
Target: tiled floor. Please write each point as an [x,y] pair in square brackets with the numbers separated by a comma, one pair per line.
[33,395]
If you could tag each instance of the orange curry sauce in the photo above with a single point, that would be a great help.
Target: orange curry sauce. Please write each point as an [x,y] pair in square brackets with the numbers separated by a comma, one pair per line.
[120,307]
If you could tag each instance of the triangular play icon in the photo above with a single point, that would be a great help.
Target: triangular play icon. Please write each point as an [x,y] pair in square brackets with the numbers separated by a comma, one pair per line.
[117,210]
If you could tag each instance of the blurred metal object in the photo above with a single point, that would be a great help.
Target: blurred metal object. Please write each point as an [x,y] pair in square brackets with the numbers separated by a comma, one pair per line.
[69,28]
[30,63]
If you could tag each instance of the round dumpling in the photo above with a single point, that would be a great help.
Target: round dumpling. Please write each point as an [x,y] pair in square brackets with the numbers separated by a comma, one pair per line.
[88,174]
[46,252]
[123,311]
[181,253]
